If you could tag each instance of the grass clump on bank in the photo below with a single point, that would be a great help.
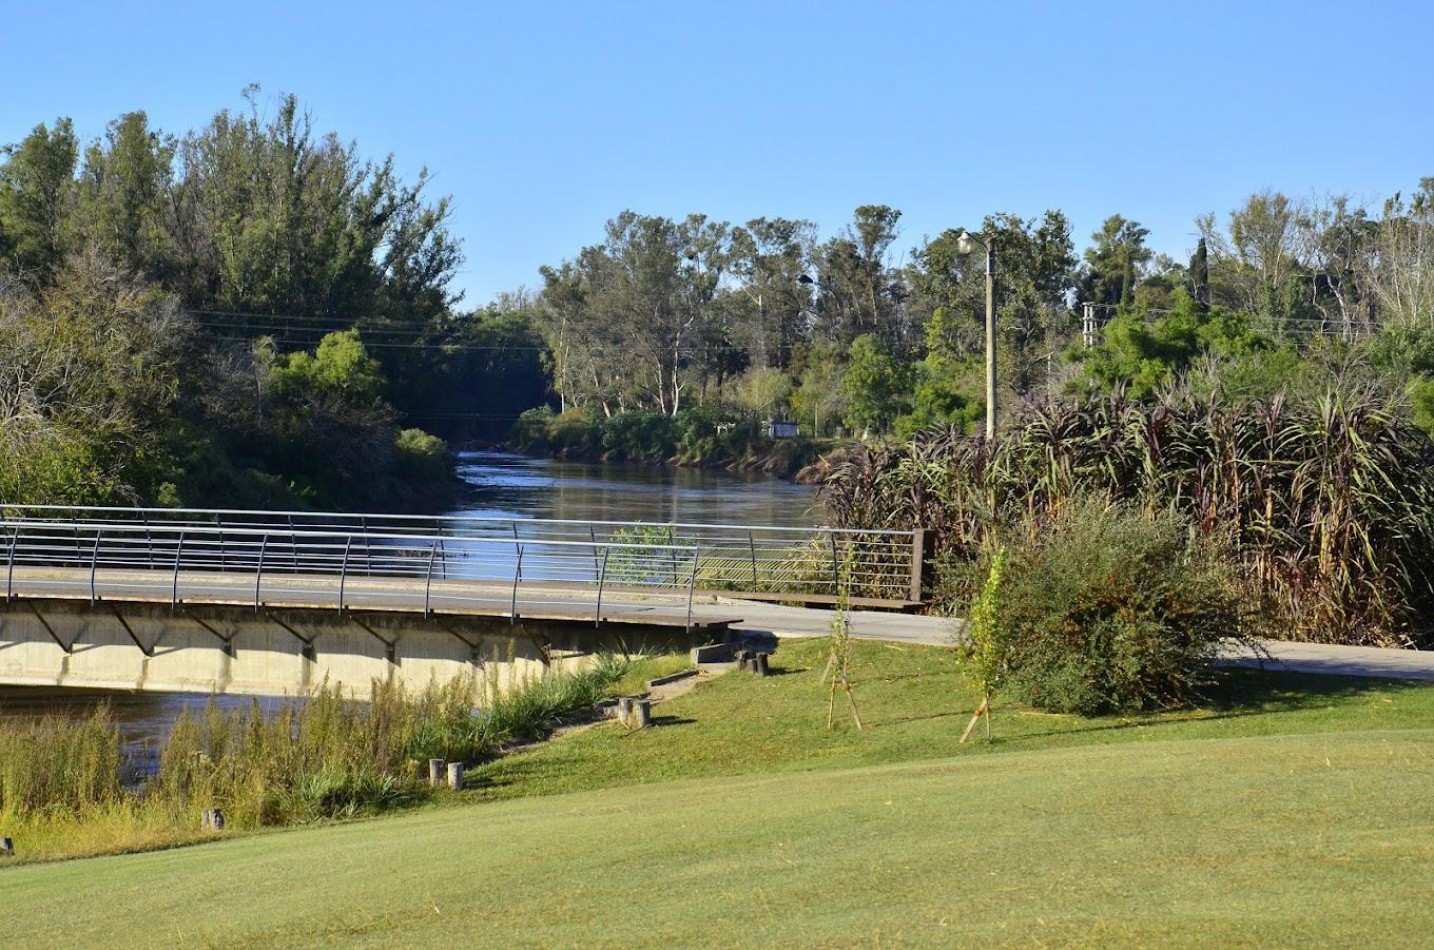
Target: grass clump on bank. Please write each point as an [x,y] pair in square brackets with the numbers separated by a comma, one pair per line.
[63,788]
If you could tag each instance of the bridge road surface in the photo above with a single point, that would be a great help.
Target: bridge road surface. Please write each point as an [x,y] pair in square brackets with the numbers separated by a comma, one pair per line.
[554,601]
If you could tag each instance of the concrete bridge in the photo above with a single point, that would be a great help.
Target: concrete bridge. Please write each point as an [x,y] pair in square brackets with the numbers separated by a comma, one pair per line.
[276,602]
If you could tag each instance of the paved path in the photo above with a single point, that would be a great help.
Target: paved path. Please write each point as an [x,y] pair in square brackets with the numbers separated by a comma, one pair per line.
[1340,661]
[940,631]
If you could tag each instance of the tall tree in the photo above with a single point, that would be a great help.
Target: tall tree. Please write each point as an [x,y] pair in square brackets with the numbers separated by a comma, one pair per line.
[37,190]
[857,291]
[125,190]
[768,300]
[1114,263]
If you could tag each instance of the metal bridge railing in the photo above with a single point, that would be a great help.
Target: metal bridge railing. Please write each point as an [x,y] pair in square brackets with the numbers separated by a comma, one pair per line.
[754,559]
[331,569]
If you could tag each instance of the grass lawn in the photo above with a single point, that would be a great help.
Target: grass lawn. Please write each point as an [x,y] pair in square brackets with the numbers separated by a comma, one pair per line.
[1300,813]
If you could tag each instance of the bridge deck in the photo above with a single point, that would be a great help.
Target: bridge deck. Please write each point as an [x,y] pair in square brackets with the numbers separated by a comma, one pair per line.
[534,600]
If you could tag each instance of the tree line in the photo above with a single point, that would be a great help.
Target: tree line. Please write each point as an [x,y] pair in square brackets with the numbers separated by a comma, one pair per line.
[254,312]
[248,313]
[764,318]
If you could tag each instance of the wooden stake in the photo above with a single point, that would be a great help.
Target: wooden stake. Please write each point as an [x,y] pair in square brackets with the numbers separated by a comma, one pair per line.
[982,710]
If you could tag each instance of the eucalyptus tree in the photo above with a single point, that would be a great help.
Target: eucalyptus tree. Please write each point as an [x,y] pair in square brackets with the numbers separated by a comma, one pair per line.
[632,321]
[768,259]
[857,291]
[1401,270]
[1035,266]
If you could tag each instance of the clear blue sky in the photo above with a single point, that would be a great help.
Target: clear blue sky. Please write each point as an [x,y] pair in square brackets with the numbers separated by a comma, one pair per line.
[542,120]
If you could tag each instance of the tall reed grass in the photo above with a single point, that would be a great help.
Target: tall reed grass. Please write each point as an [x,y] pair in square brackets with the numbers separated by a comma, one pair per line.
[1326,507]
[325,757]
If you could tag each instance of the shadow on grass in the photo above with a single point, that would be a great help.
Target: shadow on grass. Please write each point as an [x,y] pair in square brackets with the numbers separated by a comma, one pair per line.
[1245,689]
[1238,694]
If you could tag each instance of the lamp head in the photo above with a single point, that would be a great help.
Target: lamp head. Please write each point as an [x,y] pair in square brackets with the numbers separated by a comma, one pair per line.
[965,243]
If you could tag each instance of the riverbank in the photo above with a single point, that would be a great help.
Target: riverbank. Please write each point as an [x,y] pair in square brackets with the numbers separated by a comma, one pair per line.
[696,438]
[75,787]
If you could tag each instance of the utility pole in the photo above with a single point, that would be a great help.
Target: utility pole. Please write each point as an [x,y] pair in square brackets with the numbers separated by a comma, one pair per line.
[965,243]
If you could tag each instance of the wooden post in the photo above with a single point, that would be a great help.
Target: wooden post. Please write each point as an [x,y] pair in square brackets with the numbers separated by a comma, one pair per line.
[213,819]
[435,771]
[624,709]
[641,713]
[918,564]
[759,664]
[7,847]
[982,710]
[455,776]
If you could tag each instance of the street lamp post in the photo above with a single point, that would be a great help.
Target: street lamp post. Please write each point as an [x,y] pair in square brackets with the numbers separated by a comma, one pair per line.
[965,243]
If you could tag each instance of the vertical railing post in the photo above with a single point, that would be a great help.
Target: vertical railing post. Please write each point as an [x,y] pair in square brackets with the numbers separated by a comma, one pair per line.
[344,570]
[10,565]
[428,581]
[174,587]
[517,576]
[293,543]
[918,563]
[592,536]
[367,547]
[836,569]
[94,563]
[148,540]
[259,573]
[222,551]
[692,587]
[602,578]
[752,547]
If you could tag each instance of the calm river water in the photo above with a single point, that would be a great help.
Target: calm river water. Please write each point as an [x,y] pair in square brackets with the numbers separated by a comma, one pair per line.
[504,485]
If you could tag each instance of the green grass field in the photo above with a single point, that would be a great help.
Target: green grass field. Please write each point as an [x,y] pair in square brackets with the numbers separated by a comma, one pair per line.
[1288,810]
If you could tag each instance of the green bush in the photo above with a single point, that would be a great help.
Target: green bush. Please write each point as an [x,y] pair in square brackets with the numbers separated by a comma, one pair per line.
[640,436]
[418,455]
[1108,609]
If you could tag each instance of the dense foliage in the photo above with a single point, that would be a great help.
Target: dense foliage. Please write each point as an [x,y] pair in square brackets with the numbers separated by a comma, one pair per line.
[1327,506]
[247,314]
[1105,610]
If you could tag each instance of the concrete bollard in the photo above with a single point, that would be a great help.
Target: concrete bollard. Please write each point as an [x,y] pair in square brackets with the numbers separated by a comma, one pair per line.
[435,771]
[641,714]
[455,776]
[7,847]
[212,819]
[759,664]
[624,710]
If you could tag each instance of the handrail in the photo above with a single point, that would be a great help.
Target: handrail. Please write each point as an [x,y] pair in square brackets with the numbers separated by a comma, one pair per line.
[436,519]
[881,565]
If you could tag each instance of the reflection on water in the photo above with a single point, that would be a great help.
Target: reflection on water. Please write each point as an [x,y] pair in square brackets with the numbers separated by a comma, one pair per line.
[509,486]
[143,718]
[504,486]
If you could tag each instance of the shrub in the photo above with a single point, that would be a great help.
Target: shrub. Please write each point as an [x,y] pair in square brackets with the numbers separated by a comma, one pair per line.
[420,455]
[1109,609]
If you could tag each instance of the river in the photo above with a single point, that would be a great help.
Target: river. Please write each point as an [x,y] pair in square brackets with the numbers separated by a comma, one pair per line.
[508,486]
